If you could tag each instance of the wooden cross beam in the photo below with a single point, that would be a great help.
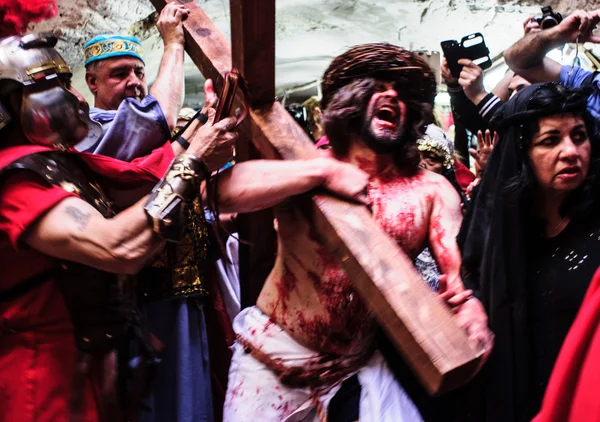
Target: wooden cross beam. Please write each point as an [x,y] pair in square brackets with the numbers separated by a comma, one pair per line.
[253,50]
[416,320]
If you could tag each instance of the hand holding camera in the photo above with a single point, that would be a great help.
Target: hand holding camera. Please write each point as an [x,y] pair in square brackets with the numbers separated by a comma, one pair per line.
[579,23]
[548,19]
[531,25]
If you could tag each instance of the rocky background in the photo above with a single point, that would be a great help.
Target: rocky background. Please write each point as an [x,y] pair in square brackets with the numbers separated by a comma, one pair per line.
[309,32]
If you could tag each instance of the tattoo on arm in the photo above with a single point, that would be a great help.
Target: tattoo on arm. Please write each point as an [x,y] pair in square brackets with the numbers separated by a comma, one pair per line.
[80,217]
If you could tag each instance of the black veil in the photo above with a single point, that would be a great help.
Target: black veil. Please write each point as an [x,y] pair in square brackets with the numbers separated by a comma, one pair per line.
[493,240]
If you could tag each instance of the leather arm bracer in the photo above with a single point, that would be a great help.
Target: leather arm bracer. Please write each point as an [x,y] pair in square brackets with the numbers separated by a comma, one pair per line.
[177,189]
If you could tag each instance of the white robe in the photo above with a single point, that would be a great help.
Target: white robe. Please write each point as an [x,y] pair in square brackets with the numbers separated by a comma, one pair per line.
[255,394]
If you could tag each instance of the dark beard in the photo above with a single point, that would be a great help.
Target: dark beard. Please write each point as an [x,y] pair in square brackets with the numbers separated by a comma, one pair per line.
[383,144]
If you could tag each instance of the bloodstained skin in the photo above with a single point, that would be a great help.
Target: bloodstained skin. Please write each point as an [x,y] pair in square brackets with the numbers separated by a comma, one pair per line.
[285,286]
[317,329]
[437,234]
[331,317]
[402,215]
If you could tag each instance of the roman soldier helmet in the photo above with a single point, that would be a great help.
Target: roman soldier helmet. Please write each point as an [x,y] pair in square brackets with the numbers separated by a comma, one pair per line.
[50,114]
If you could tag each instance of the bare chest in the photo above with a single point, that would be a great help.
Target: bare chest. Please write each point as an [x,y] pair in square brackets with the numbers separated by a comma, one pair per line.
[402,207]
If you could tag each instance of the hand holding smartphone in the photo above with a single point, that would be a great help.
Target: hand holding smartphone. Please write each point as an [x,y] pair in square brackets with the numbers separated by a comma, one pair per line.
[471,47]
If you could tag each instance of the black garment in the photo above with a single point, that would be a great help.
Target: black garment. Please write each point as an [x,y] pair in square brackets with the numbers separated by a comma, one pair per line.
[497,243]
[489,106]
[345,404]
[473,117]
[449,407]
[465,111]
[462,141]
[560,272]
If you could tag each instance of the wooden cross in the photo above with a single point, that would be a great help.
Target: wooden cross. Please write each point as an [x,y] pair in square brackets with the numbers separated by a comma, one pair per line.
[416,320]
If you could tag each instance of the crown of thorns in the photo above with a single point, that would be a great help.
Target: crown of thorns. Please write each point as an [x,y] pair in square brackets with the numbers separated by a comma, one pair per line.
[413,76]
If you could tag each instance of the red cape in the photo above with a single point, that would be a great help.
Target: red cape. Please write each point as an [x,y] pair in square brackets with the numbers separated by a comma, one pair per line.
[144,169]
[571,395]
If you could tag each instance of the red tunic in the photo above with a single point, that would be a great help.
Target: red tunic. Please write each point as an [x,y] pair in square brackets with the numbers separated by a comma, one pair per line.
[37,349]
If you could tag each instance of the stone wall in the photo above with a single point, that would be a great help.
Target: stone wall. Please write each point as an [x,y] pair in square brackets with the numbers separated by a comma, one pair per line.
[309,32]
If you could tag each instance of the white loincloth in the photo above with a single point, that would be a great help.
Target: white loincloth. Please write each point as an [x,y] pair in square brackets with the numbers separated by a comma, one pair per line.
[255,394]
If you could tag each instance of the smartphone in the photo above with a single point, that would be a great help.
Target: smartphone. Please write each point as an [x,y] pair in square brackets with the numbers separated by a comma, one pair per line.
[453,52]
[471,47]
[230,86]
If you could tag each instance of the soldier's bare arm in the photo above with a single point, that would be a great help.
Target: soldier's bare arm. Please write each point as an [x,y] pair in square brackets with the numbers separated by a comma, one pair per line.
[73,230]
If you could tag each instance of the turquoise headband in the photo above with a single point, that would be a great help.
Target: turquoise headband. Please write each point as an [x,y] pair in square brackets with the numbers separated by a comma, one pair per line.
[106,46]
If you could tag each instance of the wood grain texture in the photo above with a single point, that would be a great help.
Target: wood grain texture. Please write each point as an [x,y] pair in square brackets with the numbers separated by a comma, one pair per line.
[253,50]
[420,326]
[258,245]
[253,46]
[204,43]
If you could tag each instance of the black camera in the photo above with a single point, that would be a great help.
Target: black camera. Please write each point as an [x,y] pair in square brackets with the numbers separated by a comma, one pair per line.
[548,18]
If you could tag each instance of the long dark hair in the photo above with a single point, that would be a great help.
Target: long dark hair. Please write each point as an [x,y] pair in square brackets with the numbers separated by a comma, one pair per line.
[521,189]
[345,115]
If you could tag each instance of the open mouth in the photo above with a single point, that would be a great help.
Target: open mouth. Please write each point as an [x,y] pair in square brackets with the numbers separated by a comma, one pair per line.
[386,115]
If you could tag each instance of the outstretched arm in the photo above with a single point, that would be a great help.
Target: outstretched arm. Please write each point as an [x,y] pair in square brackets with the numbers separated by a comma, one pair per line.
[527,57]
[258,184]
[168,87]
[73,230]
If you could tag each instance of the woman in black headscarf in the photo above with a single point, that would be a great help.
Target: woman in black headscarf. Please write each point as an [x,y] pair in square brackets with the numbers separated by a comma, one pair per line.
[531,243]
